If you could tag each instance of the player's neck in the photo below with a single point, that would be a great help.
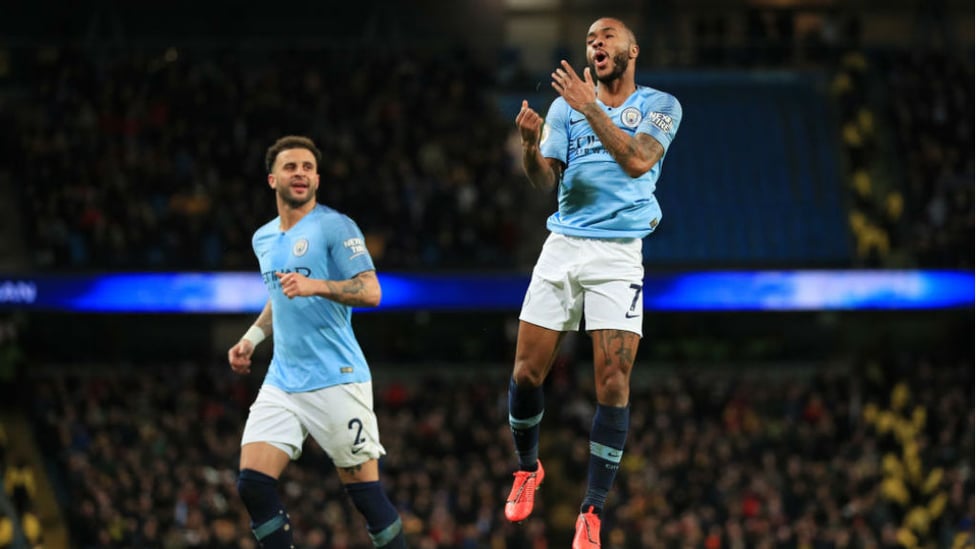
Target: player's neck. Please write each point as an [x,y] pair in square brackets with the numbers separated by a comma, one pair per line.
[290,215]
[615,92]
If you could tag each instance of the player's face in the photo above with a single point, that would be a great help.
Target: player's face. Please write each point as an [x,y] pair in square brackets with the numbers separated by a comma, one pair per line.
[609,49]
[295,176]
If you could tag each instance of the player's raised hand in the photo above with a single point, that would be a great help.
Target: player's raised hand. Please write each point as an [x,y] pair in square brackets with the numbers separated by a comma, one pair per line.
[529,124]
[577,91]
[239,356]
[295,284]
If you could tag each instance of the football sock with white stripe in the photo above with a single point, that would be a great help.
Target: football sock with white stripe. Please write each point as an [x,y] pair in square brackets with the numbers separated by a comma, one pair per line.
[382,520]
[269,521]
[525,409]
[607,438]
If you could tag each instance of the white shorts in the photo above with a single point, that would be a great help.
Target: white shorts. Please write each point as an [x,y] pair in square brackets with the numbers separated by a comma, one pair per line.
[339,418]
[601,279]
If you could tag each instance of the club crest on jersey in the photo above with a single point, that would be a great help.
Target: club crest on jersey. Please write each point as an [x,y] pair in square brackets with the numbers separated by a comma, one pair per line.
[662,121]
[631,117]
[300,247]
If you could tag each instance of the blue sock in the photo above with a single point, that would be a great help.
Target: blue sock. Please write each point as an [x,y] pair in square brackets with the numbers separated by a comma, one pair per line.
[607,438]
[525,409]
[382,519]
[269,521]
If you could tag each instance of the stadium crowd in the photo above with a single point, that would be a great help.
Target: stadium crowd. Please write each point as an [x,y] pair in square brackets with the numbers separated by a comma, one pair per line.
[912,194]
[866,454]
[931,106]
[142,161]
[156,162]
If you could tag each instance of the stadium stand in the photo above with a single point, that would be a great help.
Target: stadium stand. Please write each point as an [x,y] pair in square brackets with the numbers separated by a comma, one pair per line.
[849,454]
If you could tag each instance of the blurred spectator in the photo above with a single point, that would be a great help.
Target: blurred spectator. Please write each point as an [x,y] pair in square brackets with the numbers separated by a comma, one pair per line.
[931,109]
[20,489]
[19,482]
[12,359]
[30,527]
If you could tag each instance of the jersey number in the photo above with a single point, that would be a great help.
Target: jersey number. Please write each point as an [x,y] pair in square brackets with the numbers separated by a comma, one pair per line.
[633,313]
[357,424]
[637,291]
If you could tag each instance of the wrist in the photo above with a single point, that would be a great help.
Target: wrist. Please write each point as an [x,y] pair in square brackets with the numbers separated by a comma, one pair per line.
[255,335]
[590,109]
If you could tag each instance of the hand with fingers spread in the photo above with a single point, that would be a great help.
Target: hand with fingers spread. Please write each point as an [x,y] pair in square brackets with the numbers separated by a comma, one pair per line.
[529,124]
[576,91]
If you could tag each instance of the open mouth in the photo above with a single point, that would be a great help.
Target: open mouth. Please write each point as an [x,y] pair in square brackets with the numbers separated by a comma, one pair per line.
[600,59]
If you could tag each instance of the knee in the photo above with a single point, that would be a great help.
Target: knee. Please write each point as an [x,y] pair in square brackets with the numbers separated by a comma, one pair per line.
[525,375]
[613,387]
[255,488]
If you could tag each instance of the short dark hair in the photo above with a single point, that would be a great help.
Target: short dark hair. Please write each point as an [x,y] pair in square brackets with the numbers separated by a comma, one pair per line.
[291,142]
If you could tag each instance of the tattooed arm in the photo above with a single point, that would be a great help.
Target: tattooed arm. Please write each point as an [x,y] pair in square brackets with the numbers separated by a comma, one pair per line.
[362,290]
[636,155]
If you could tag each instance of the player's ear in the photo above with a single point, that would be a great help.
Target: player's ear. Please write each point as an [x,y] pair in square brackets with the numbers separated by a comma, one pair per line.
[271,180]
[634,51]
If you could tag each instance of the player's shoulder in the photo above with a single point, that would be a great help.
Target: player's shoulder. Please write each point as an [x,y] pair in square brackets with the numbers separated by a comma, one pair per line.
[649,94]
[328,215]
[333,222]
[268,228]
[559,105]
[559,101]
[264,236]
[654,100]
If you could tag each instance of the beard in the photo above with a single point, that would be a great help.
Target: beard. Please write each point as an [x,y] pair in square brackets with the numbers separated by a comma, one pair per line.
[294,202]
[619,67]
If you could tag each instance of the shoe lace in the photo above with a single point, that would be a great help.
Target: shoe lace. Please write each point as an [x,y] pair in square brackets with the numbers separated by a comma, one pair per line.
[522,488]
[592,525]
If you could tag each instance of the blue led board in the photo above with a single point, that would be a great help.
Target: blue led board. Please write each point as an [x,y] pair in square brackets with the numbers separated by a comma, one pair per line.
[238,292]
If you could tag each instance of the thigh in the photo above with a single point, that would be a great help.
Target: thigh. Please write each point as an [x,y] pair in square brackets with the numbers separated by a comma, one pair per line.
[613,286]
[554,299]
[274,421]
[341,420]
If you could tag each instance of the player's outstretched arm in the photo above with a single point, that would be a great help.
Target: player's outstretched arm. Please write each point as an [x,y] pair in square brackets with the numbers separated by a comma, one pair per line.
[362,290]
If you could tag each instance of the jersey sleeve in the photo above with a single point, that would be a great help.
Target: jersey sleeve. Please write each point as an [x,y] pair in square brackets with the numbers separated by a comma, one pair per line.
[555,138]
[348,249]
[661,119]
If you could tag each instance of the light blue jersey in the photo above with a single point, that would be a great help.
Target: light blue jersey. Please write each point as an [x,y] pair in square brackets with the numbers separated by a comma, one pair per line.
[314,345]
[597,199]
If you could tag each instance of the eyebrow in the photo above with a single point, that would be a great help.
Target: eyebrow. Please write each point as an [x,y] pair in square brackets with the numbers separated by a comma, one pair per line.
[604,29]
